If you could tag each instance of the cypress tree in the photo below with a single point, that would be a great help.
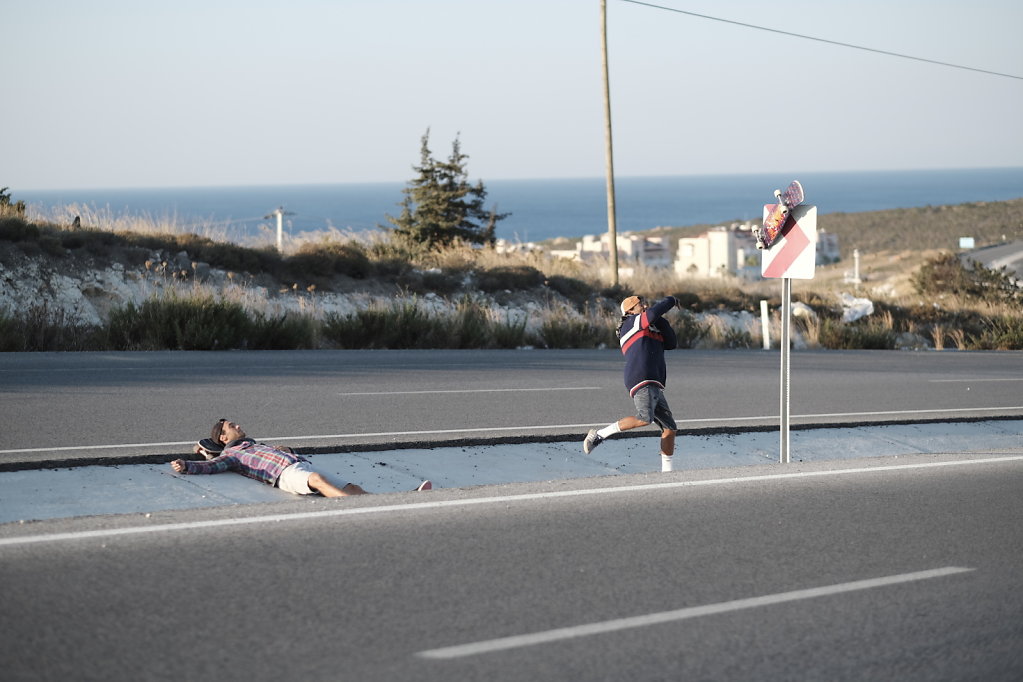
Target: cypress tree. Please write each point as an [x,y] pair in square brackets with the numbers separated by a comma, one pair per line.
[441,207]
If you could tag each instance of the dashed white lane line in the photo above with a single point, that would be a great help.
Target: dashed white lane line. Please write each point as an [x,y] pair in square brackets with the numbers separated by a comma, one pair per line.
[589,629]
[504,499]
[476,390]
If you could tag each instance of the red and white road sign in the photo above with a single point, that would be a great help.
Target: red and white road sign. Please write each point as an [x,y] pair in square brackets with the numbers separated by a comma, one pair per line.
[794,254]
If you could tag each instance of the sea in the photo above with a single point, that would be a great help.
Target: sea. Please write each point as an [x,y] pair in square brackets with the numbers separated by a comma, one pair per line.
[538,209]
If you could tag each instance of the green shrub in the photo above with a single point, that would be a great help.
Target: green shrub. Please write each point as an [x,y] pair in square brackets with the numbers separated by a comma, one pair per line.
[8,207]
[561,330]
[51,245]
[98,242]
[689,301]
[41,329]
[327,259]
[511,334]
[286,332]
[401,325]
[571,288]
[442,282]
[342,331]
[738,338]
[999,333]
[512,278]
[946,274]
[866,334]
[12,338]
[616,293]
[15,229]
[406,325]
[198,323]
[470,326]
[688,330]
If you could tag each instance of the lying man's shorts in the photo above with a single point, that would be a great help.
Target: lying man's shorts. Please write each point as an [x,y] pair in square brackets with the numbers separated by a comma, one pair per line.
[295,479]
[652,407]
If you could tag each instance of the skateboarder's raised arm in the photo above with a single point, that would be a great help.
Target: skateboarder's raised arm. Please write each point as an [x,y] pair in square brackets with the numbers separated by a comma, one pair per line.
[655,316]
[660,309]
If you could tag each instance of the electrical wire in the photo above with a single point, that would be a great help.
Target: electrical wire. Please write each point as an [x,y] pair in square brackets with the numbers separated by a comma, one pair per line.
[824,40]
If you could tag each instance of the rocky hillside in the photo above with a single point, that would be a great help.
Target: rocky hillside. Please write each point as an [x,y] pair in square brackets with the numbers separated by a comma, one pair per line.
[78,276]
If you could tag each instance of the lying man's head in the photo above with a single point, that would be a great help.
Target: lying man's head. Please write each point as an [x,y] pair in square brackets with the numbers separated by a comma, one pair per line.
[225,431]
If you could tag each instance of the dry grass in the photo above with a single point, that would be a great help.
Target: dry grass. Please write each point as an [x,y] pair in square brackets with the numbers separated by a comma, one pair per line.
[577,301]
[121,222]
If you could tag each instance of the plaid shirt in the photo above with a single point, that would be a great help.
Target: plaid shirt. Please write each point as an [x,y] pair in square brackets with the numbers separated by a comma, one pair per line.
[249,458]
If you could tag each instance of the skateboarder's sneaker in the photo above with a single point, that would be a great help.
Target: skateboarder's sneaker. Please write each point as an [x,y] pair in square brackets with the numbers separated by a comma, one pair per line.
[593,439]
[425,485]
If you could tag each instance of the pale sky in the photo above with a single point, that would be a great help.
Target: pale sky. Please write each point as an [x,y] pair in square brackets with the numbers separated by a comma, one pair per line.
[147,93]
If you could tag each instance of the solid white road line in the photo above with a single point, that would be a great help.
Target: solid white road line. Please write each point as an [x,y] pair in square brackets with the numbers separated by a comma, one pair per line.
[477,390]
[528,429]
[505,499]
[974,381]
[576,631]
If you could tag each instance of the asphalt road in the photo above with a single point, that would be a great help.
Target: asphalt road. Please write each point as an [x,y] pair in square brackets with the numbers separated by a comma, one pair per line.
[867,570]
[1008,256]
[68,406]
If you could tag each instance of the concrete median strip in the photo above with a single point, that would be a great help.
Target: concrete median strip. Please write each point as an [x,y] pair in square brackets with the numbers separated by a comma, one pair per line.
[39,494]
[472,501]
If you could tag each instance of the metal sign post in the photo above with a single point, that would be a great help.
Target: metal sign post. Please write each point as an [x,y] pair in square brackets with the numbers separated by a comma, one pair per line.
[791,257]
[786,366]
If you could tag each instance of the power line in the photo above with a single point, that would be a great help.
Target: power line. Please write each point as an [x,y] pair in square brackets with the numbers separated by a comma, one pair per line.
[824,40]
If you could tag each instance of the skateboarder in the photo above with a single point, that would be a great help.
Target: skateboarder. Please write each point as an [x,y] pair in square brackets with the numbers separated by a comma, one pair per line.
[644,335]
[275,466]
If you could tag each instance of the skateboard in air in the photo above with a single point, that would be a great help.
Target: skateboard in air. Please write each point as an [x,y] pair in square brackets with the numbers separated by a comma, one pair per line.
[774,223]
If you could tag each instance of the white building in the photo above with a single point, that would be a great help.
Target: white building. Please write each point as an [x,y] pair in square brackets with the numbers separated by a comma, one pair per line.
[632,249]
[724,252]
[721,252]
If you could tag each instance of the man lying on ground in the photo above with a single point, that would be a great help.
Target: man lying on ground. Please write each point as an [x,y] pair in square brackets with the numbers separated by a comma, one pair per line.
[276,466]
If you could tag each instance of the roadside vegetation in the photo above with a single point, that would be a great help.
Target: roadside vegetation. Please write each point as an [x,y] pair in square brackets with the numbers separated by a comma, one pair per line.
[441,294]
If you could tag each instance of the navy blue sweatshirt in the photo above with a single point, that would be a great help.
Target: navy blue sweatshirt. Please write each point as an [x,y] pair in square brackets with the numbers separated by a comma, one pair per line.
[643,339]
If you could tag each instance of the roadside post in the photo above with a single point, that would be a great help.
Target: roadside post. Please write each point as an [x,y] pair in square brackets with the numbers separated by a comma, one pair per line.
[765,325]
[792,256]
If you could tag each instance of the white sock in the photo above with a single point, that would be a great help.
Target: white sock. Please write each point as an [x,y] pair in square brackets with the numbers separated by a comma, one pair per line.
[609,430]
[665,463]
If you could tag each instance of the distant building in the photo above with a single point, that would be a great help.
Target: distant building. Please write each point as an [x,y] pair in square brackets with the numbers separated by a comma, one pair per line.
[633,249]
[721,252]
[732,252]
[505,246]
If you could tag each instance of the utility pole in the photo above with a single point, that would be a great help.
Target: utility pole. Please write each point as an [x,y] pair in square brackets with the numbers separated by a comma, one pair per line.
[612,228]
[279,212]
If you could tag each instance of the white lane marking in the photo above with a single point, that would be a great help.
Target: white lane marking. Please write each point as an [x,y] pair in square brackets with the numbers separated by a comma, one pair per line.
[476,390]
[500,429]
[972,381]
[906,412]
[119,446]
[576,631]
[505,499]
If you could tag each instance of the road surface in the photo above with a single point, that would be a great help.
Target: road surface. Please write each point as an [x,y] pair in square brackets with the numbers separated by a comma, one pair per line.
[67,406]
[876,569]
